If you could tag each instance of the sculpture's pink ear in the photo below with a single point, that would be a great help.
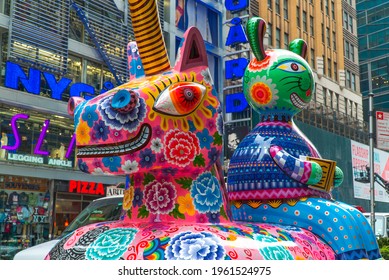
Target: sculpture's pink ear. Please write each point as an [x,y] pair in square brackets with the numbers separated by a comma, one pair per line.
[192,51]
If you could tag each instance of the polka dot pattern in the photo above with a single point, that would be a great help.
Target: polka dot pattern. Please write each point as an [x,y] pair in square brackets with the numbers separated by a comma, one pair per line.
[338,224]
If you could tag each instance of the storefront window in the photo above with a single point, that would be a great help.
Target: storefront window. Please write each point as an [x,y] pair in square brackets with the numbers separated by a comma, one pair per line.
[56,141]
[93,75]
[74,68]
[70,201]
[24,213]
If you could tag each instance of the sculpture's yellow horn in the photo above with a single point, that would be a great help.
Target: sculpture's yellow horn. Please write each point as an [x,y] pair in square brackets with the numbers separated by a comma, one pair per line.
[148,35]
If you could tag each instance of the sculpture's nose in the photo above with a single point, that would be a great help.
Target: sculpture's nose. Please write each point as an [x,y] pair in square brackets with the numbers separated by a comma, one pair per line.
[73,103]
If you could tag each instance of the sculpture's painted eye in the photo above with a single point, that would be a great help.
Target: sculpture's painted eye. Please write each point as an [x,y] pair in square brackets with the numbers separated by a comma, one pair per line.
[180,99]
[291,66]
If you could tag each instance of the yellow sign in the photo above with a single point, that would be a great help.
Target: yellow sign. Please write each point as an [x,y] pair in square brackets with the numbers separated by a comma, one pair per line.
[327,180]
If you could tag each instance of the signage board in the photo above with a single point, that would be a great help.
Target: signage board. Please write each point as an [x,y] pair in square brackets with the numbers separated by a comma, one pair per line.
[114,190]
[382,130]
[86,187]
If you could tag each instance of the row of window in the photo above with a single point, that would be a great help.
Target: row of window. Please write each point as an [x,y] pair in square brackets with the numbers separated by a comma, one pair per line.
[379,76]
[332,100]
[285,7]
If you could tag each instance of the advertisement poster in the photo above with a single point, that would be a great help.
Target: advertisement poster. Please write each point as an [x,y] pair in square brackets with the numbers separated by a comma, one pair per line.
[360,159]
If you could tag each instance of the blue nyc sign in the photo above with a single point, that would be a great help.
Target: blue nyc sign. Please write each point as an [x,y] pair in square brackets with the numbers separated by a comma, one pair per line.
[234,69]
[32,82]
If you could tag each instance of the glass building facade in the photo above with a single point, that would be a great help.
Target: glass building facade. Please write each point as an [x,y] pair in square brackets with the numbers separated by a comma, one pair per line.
[373,39]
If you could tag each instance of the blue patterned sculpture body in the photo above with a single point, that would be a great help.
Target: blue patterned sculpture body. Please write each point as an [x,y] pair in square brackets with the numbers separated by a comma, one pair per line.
[276,175]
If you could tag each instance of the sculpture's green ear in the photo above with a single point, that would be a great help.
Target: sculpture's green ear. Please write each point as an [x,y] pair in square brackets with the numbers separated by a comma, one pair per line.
[256,29]
[299,46]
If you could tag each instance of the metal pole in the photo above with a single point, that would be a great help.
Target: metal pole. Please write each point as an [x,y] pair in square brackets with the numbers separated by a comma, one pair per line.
[371,161]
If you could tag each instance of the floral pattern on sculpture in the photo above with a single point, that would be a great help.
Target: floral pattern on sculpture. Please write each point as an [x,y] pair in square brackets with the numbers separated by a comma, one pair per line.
[160,197]
[90,116]
[195,246]
[181,147]
[115,119]
[263,92]
[206,194]
[273,252]
[111,245]
[82,133]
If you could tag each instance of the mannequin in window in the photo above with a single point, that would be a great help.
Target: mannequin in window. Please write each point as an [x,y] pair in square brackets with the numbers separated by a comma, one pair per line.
[61,152]
[4,142]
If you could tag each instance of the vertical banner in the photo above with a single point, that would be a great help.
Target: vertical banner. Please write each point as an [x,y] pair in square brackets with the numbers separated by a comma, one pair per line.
[360,159]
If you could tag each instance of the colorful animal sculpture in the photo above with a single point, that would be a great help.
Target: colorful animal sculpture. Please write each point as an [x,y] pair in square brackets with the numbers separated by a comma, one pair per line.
[276,174]
[164,133]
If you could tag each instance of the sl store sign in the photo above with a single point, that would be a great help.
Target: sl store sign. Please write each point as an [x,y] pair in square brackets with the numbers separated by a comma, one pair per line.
[236,102]
[15,75]
[37,149]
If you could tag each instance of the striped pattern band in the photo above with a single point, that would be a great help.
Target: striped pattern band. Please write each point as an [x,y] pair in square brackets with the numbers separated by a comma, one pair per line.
[148,35]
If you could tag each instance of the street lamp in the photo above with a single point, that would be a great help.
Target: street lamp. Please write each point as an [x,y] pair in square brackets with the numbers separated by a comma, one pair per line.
[371,161]
[371,149]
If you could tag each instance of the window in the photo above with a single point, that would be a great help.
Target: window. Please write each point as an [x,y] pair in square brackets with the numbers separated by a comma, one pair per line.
[353,84]
[311,26]
[322,32]
[333,10]
[336,101]
[325,97]
[286,40]
[345,20]
[329,67]
[330,99]
[347,49]
[335,71]
[278,10]
[74,68]
[350,24]
[312,58]
[327,11]
[334,40]
[348,79]
[269,32]
[269,4]
[298,16]
[324,65]
[328,37]
[278,38]
[305,28]
[93,74]
[286,10]
[352,56]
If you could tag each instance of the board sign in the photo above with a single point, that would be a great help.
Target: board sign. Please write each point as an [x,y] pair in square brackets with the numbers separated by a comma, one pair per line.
[114,190]
[382,129]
